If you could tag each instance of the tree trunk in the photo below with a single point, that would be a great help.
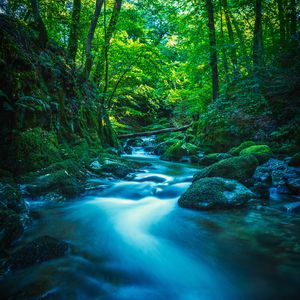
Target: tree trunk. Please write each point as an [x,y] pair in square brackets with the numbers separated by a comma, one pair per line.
[155,132]
[43,36]
[102,66]
[231,39]
[257,39]
[281,22]
[88,59]
[224,54]
[73,37]
[213,49]
[293,12]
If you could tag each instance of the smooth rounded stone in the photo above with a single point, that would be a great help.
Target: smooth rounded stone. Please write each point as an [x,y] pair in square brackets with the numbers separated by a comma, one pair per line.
[242,146]
[39,250]
[215,193]
[262,174]
[11,227]
[293,207]
[213,158]
[239,168]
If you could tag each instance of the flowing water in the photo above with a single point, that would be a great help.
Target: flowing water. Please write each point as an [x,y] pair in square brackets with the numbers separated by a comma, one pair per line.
[132,241]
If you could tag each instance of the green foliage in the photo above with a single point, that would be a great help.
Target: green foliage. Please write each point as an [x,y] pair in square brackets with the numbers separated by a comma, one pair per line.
[35,149]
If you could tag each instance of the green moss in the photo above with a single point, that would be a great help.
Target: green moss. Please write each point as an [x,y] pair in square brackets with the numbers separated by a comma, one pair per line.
[36,149]
[262,152]
[240,168]
[295,160]
[213,158]
[179,149]
[242,146]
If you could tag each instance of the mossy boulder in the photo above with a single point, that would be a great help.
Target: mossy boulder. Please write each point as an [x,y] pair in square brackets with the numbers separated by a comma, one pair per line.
[36,149]
[60,182]
[10,197]
[262,152]
[213,158]
[215,193]
[117,169]
[37,251]
[295,160]
[239,168]
[11,227]
[178,150]
[242,146]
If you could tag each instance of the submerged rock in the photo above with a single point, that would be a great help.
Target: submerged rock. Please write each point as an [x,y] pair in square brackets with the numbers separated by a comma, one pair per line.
[292,207]
[215,193]
[39,250]
[239,168]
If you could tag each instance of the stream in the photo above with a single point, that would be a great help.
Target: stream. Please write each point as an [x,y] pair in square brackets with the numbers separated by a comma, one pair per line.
[132,241]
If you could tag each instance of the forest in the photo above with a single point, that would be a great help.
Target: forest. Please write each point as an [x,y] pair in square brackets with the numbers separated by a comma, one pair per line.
[144,140]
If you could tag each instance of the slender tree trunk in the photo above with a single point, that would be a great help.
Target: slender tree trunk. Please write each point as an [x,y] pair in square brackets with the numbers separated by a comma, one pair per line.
[73,37]
[224,56]
[43,36]
[293,12]
[231,39]
[213,49]
[257,39]
[89,59]
[101,68]
[281,22]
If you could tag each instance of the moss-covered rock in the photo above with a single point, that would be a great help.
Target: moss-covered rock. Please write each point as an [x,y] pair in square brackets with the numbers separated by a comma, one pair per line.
[240,168]
[11,227]
[295,160]
[36,149]
[178,150]
[39,250]
[10,197]
[213,158]
[262,152]
[215,193]
[117,169]
[242,146]
[60,182]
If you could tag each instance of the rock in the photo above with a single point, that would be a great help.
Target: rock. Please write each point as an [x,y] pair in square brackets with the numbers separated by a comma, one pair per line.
[295,160]
[242,146]
[262,189]
[95,165]
[59,182]
[11,227]
[240,168]
[262,152]
[39,250]
[213,158]
[178,150]
[215,193]
[119,170]
[10,197]
[292,207]
[262,174]
[293,184]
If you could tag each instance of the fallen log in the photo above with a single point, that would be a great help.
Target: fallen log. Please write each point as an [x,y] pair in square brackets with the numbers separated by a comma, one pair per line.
[155,132]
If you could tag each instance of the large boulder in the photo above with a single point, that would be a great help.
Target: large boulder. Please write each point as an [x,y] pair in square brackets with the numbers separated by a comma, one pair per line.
[60,182]
[262,152]
[242,146]
[11,227]
[212,158]
[39,250]
[178,150]
[239,168]
[117,169]
[10,197]
[215,193]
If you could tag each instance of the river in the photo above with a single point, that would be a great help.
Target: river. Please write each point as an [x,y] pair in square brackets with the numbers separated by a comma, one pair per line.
[132,241]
